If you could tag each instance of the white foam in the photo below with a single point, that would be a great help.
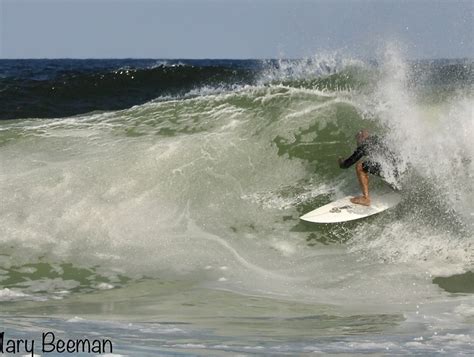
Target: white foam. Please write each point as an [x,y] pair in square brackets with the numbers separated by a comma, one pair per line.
[7,294]
[75,319]
[104,286]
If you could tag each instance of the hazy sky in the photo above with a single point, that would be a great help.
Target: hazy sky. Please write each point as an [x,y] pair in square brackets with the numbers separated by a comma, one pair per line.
[233,28]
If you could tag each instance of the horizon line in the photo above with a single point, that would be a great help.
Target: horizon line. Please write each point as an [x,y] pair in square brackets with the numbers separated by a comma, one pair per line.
[210,59]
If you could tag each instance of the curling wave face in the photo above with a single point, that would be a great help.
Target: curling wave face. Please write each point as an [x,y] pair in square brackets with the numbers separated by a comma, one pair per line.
[208,187]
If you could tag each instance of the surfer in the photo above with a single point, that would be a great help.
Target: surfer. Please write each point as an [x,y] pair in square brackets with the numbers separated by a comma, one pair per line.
[371,147]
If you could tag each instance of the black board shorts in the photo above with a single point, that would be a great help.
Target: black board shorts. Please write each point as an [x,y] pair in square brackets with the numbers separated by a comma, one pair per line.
[371,167]
[375,168]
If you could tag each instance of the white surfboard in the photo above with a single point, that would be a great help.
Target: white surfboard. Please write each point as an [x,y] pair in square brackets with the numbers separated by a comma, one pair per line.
[344,210]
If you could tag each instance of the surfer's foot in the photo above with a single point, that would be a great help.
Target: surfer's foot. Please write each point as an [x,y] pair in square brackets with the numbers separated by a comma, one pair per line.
[361,200]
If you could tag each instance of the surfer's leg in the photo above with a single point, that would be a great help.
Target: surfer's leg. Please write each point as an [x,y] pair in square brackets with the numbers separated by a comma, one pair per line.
[363,178]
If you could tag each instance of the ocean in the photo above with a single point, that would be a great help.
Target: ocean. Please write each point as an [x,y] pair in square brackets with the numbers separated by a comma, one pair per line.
[156,203]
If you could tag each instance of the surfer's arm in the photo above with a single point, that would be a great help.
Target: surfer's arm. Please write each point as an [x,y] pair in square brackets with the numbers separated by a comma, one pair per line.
[351,160]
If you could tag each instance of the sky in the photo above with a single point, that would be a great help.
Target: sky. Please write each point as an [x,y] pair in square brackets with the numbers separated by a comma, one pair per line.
[233,28]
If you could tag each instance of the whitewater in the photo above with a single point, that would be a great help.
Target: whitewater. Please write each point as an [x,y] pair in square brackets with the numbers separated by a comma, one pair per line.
[171,226]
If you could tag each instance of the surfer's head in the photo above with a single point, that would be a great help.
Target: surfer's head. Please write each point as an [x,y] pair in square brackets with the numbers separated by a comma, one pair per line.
[361,136]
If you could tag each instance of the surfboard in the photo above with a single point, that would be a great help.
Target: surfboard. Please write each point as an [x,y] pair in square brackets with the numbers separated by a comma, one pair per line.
[344,210]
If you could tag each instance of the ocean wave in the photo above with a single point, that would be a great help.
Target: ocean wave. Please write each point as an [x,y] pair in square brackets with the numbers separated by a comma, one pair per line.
[209,186]
[61,88]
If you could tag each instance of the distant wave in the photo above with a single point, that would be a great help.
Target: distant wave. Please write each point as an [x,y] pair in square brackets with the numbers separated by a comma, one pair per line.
[68,92]
[61,88]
